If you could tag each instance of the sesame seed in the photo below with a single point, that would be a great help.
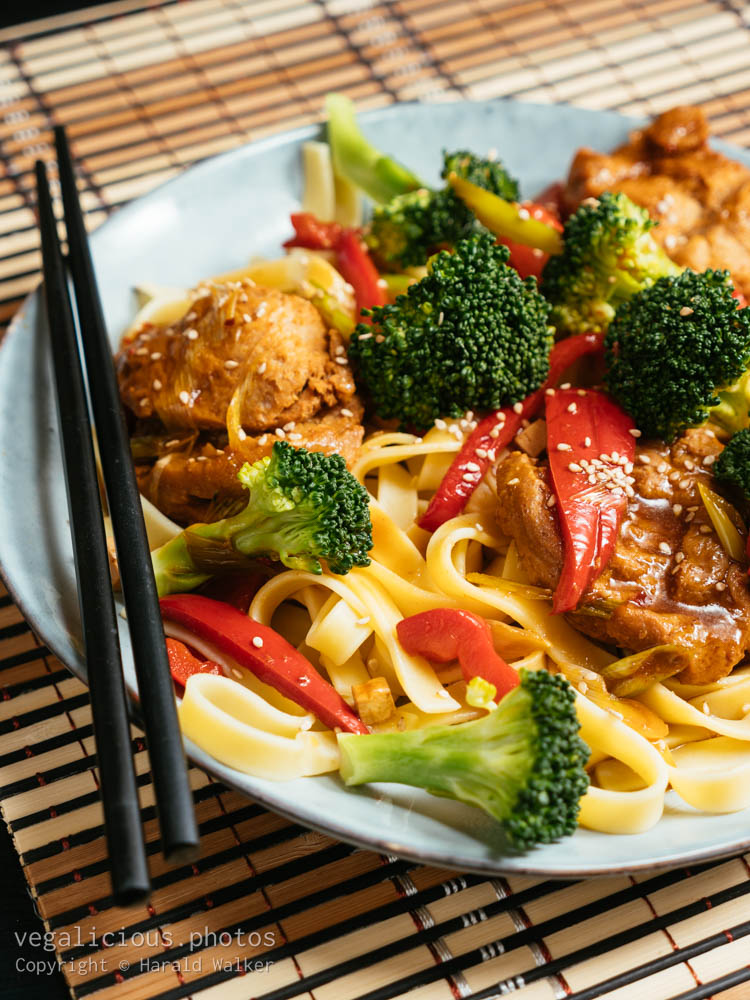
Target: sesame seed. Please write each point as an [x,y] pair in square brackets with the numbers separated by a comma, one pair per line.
[583,687]
[454,429]
[629,491]
[677,509]
[572,408]
[565,385]
[689,465]
[184,397]
[663,547]
[219,451]
[191,316]
[685,484]
[518,407]
[340,361]
[241,434]
[289,426]
[514,481]
[473,467]
[709,460]
[246,317]
[257,641]
[364,336]
[618,491]
[261,310]
[662,467]
[523,213]
[470,477]
[441,424]
[142,351]
[673,476]
[339,349]
[495,432]
[634,432]
[679,557]
[587,442]
[575,467]
[628,467]
[705,529]
[692,510]
[363,621]
[202,458]
[580,392]
[263,440]
[615,456]
[231,364]
[294,436]
[191,334]
[644,459]
[721,586]
[155,355]
[156,385]
[592,478]
[564,447]
[689,518]
[262,367]
[345,412]
[549,392]
[481,452]
[280,432]
[551,501]
[686,311]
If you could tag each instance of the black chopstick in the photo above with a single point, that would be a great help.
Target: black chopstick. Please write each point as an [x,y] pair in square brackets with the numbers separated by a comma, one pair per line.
[174,800]
[122,819]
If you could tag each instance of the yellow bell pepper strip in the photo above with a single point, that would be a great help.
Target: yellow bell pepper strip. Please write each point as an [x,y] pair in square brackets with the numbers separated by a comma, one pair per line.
[506,218]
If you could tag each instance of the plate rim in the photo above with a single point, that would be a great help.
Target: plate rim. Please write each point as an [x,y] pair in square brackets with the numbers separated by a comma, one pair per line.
[494,865]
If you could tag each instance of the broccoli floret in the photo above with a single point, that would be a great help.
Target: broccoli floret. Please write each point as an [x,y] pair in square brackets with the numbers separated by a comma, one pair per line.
[608,255]
[523,763]
[672,347]
[471,335]
[733,464]
[304,507]
[406,230]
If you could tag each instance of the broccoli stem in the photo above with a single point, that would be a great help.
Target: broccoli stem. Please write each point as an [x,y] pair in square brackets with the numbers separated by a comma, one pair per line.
[356,159]
[484,763]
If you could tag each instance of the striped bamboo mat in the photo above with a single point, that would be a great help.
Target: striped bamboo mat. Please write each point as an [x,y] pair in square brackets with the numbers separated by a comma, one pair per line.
[271,910]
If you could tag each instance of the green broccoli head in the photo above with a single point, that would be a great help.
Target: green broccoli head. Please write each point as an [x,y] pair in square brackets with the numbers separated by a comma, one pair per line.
[672,347]
[304,508]
[609,254]
[471,335]
[523,763]
[485,173]
[733,464]
[411,226]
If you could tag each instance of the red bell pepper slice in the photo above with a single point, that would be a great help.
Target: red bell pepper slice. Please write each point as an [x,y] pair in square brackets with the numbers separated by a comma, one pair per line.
[312,233]
[267,654]
[445,634]
[587,426]
[356,266]
[352,257]
[183,664]
[496,431]
[529,261]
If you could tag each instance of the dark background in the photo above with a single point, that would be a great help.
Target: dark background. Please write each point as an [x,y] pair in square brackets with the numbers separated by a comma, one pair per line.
[18,11]
[17,913]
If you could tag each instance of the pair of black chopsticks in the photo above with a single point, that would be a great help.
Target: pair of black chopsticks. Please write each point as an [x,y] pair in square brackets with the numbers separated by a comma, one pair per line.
[128,867]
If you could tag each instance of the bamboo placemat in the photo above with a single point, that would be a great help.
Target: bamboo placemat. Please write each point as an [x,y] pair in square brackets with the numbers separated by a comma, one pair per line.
[273,911]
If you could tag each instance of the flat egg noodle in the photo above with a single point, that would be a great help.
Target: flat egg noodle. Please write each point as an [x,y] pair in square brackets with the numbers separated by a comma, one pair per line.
[233,725]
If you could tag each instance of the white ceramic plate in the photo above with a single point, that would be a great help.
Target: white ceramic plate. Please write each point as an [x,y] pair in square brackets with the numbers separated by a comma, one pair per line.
[214,218]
